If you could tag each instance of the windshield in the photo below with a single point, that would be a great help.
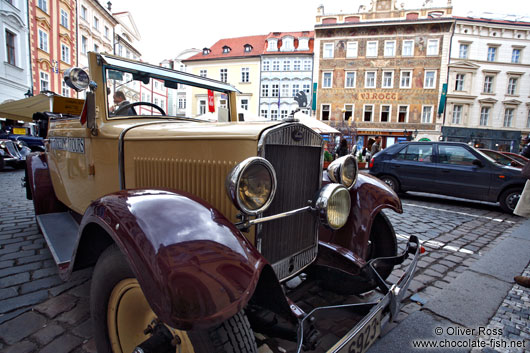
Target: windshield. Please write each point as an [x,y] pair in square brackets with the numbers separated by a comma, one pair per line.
[138,94]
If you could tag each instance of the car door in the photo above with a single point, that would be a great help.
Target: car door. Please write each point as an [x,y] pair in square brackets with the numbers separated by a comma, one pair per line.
[414,167]
[458,176]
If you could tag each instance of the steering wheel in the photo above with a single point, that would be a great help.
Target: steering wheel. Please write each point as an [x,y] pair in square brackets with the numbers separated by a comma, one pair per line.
[131,105]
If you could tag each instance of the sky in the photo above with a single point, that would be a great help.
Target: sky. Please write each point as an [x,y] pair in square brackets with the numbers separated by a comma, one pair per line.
[169,27]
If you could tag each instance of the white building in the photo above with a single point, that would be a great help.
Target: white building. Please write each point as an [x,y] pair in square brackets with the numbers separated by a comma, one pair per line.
[15,74]
[95,30]
[286,69]
[126,36]
[488,97]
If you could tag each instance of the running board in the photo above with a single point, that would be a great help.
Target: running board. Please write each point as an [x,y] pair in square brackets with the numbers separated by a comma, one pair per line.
[60,231]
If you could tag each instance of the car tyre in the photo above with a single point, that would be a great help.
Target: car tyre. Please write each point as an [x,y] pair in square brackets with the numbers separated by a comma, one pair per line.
[382,243]
[509,198]
[391,182]
[113,278]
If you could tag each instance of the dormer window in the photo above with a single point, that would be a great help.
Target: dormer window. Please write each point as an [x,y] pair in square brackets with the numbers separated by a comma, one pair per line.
[248,48]
[226,49]
[303,43]
[206,51]
[287,44]
[273,44]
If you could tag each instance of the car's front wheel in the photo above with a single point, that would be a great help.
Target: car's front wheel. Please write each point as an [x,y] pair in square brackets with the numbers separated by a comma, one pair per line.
[391,182]
[509,198]
[123,319]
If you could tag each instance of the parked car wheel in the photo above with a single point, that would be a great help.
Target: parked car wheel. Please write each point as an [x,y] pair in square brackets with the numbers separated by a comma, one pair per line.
[382,243]
[121,313]
[509,198]
[390,181]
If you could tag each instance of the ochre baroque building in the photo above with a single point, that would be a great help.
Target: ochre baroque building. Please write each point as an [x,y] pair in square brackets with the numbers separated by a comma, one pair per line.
[52,26]
[381,70]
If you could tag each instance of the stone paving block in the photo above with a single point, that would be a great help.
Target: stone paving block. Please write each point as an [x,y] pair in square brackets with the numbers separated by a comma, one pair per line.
[45,272]
[66,286]
[8,292]
[80,312]
[33,258]
[82,291]
[90,346]
[57,305]
[12,280]
[84,330]
[63,344]
[17,255]
[22,347]
[21,327]
[48,333]
[43,283]
[22,301]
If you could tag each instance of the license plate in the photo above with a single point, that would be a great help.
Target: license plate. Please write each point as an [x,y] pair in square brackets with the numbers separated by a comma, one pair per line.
[363,339]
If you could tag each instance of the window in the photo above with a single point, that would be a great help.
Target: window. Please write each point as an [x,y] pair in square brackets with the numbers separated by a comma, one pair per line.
[223,73]
[349,79]
[464,48]
[43,5]
[370,79]
[516,55]
[390,48]
[327,78]
[426,114]
[65,89]
[388,79]
[43,40]
[371,49]
[283,114]
[296,89]
[307,89]
[285,90]
[64,18]
[244,104]
[248,48]
[203,73]
[351,49]
[44,81]
[245,74]
[328,51]
[275,90]
[508,117]
[287,65]
[96,23]
[274,114]
[307,65]
[408,48]
[455,155]
[273,45]
[457,114]
[263,113]
[492,52]
[266,64]
[430,79]
[405,80]
[287,44]
[297,64]
[264,90]
[202,107]
[484,116]
[275,65]
[432,47]
[182,103]
[459,82]
[96,48]
[325,112]
[416,153]
[10,47]
[84,44]
[226,49]
[368,112]
[512,86]
[488,84]
[348,111]
[403,113]
[385,113]
[83,12]
[65,54]
[107,32]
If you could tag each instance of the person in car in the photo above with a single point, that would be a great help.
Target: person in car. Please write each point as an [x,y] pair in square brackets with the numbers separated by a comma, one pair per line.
[119,102]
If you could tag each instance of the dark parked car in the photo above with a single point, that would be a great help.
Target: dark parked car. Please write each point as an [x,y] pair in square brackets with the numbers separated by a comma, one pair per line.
[448,168]
[501,158]
[35,143]
[12,154]
[521,159]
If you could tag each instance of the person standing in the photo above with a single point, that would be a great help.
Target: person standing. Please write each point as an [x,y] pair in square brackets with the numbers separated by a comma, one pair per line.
[342,149]
[376,146]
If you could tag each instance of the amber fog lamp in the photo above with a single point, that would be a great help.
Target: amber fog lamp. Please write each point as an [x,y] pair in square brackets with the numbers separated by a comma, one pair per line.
[333,205]
[251,185]
[77,79]
[344,170]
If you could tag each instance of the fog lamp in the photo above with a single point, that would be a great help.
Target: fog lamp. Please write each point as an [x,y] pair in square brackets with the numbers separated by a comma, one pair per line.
[344,170]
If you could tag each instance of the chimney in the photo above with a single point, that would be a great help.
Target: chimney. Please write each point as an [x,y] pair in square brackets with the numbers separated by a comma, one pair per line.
[109,6]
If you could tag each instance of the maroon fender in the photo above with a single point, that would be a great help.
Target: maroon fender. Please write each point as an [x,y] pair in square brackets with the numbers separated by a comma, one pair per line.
[369,196]
[40,184]
[194,266]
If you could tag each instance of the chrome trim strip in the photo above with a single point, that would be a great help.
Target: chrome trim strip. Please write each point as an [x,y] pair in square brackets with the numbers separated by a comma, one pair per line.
[251,222]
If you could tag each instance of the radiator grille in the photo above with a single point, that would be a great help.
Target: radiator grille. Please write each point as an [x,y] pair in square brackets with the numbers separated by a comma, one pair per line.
[12,149]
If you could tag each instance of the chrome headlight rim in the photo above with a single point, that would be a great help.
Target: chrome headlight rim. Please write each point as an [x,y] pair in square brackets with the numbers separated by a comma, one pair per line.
[337,171]
[233,182]
[77,79]
[322,204]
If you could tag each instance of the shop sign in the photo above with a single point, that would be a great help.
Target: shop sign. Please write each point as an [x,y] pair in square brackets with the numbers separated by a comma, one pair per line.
[379,96]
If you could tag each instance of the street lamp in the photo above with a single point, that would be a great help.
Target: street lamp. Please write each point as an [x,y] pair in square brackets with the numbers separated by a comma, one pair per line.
[28,93]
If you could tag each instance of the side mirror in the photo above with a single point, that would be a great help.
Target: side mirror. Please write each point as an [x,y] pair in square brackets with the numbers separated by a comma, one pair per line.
[478,163]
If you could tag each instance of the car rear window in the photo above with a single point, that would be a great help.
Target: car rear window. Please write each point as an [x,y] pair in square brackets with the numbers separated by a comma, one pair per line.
[417,153]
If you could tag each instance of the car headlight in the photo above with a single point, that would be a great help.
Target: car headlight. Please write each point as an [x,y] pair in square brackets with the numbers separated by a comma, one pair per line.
[20,144]
[2,144]
[344,170]
[251,185]
[76,78]
[333,205]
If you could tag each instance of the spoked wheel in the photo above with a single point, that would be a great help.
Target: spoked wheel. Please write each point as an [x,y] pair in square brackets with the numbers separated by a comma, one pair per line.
[382,243]
[123,319]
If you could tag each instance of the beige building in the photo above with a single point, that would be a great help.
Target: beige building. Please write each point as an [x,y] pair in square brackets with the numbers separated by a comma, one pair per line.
[381,71]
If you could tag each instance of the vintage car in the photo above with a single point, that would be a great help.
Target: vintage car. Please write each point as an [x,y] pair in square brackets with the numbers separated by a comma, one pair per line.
[211,236]
[12,154]
[34,143]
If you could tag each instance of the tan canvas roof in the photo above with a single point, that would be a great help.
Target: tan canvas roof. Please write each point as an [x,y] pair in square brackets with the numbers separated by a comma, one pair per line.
[23,109]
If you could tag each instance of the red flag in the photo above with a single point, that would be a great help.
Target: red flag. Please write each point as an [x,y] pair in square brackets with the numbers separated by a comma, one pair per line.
[211,101]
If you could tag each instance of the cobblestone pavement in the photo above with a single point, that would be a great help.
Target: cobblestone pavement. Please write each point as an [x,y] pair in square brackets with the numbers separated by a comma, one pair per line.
[39,312]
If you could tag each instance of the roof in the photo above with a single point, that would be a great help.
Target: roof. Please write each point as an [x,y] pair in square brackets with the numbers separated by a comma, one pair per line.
[237,48]
[492,21]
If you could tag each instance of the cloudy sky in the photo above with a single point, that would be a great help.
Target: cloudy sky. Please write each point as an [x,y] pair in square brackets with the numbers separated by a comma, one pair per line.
[169,27]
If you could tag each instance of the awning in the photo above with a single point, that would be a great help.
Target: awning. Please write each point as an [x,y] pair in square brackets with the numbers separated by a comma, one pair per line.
[315,124]
[24,109]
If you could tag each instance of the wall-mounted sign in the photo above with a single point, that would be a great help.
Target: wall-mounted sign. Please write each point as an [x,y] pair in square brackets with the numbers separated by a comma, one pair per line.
[379,95]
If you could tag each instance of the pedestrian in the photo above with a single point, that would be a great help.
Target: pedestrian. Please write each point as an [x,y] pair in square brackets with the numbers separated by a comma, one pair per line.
[523,205]
[376,146]
[119,102]
[342,149]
